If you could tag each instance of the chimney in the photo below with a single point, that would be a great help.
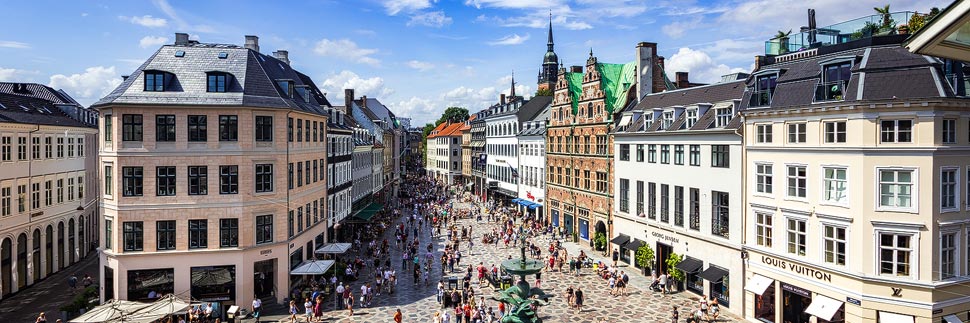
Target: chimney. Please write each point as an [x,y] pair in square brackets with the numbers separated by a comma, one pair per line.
[283,56]
[348,97]
[646,56]
[576,69]
[501,98]
[682,82]
[181,39]
[252,42]
[124,78]
[363,101]
[759,60]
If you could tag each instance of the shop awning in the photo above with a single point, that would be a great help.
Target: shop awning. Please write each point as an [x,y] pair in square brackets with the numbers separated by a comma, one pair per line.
[516,200]
[163,307]
[621,239]
[333,248]
[887,317]
[534,205]
[635,244]
[758,284]
[690,265]
[524,202]
[368,212]
[111,310]
[312,267]
[823,307]
[952,319]
[713,274]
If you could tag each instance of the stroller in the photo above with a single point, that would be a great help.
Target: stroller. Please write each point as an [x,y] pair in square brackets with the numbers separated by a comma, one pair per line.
[655,285]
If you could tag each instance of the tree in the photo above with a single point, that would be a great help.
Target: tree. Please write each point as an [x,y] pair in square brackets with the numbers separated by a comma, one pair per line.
[543,92]
[427,130]
[672,261]
[453,114]
[644,257]
[887,17]
[599,240]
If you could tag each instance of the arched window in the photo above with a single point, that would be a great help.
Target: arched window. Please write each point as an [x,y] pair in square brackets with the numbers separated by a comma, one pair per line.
[589,110]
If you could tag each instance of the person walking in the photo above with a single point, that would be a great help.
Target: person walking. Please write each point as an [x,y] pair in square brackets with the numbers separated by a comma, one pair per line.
[398,317]
[339,296]
[675,316]
[663,283]
[579,300]
[41,318]
[293,311]
[257,304]
[616,256]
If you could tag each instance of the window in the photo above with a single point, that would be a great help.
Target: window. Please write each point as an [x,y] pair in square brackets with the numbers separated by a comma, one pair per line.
[667,120]
[165,235]
[797,236]
[217,82]
[264,128]
[651,153]
[625,152]
[691,117]
[198,180]
[723,116]
[679,206]
[229,179]
[21,198]
[35,148]
[35,195]
[834,244]
[299,174]
[70,189]
[165,128]
[131,126]
[796,181]
[896,188]
[289,178]
[695,155]
[721,214]
[949,134]
[665,154]
[834,132]
[108,184]
[289,224]
[165,181]
[762,228]
[639,198]
[108,131]
[665,203]
[763,132]
[948,250]
[720,156]
[48,193]
[307,126]
[834,181]
[198,234]
[264,178]
[763,178]
[107,234]
[678,154]
[154,81]
[264,229]
[896,130]
[22,148]
[228,128]
[640,153]
[695,209]
[289,129]
[764,88]
[5,201]
[133,235]
[131,178]
[70,148]
[228,233]
[834,78]
[895,254]
[948,189]
[601,182]
[197,128]
[652,200]
[796,132]
[601,141]
[624,195]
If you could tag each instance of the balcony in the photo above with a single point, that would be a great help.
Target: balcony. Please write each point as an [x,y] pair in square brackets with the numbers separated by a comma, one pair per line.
[829,91]
[865,27]
[760,98]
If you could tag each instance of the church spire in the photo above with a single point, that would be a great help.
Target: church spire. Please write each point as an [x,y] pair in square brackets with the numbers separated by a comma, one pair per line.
[512,93]
[549,43]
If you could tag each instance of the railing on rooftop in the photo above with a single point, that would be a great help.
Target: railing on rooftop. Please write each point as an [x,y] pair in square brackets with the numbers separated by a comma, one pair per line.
[830,91]
[760,98]
[839,33]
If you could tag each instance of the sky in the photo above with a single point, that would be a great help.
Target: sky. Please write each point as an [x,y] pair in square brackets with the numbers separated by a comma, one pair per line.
[416,56]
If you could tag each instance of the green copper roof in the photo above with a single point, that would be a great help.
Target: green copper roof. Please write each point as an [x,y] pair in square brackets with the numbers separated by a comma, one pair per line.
[575,81]
[616,81]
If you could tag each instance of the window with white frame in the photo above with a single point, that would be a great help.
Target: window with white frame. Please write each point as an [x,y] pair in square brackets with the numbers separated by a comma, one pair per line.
[834,132]
[834,183]
[763,132]
[723,116]
[896,188]
[691,117]
[895,254]
[796,132]
[948,254]
[762,228]
[948,189]
[797,232]
[763,178]
[668,119]
[896,130]
[834,244]
[797,181]
[949,131]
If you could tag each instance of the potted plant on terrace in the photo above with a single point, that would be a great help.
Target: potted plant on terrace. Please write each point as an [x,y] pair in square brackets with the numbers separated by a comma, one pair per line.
[644,258]
[783,39]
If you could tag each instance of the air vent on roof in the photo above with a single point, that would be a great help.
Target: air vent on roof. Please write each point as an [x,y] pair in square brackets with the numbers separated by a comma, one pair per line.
[223,55]
[180,53]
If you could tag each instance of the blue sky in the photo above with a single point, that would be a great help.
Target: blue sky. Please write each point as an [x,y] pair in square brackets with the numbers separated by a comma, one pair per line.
[416,56]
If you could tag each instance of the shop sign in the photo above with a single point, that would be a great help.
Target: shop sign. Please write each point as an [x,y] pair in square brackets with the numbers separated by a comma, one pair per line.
[664,237]
[796,290]
[796,268]
[938,311]
[265,252]
[851,300]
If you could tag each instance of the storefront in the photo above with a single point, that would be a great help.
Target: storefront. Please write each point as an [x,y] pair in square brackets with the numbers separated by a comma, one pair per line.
[719,282]
[214,283]
[778,297]
[146,285]
[621,241]
[584,229]
[691,268]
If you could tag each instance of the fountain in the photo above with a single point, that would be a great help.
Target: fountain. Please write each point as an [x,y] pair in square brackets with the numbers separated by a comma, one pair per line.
[521,296]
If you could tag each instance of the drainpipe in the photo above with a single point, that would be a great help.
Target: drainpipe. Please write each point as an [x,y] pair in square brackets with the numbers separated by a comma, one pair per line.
[744,259]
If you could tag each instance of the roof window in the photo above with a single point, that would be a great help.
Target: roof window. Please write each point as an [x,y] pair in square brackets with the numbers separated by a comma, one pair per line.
[180,53]
[223,55]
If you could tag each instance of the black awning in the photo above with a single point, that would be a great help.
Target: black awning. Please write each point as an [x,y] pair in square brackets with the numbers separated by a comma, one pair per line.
[621,239]
[635,244]
[690,265]
[713,274]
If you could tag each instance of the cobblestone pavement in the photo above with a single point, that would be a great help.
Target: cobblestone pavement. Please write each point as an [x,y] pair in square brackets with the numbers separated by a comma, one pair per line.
[418,303]
[47,295]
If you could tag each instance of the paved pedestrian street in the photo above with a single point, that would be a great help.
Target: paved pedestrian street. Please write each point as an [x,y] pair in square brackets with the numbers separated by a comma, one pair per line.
[418,303]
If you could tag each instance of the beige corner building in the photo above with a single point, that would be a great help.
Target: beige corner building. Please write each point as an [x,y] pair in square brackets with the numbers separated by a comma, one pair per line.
[213,166]
[857,161]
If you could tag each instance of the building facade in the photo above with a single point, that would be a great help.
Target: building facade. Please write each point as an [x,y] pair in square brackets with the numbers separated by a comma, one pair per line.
[340,149]
[243,201]
[445,153]
[478,162]
[48,186]
[532,163]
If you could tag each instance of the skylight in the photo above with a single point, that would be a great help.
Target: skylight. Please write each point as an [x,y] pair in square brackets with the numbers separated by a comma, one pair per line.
[2,106]
[223,55]
[180,53]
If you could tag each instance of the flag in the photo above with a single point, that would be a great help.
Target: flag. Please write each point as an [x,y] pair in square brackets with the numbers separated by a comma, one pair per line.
[515,173]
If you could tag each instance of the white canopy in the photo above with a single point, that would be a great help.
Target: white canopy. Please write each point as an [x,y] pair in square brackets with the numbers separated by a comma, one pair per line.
[823,307]
[952,319]
[165,306]
[133,312]
[113,310]
[758,284]
[887,317]
[312,267]
[333,248]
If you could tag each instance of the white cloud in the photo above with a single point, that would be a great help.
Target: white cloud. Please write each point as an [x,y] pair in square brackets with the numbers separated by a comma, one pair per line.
[13,44]
[16,75]
[419,65]
[152,41]
[513,4]
[513,39]
[336,83]
[435,19]
[700,65]
[146,21]
[7,74]
[678,28]
[89,86]
[347,50]
[169,11]
[562,18]
[393,7]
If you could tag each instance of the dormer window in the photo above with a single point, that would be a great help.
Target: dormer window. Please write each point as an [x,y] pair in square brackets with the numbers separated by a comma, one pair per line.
[668,119]
[286,86]
[691,117]
[304,92]
[217,82]
[723,116]
[764,89]
[647,120]
[155,81]
[835,77]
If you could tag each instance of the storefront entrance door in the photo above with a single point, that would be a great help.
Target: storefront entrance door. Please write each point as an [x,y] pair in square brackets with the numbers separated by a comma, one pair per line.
[663,251]
[264,278]
[568,225]
[794,302]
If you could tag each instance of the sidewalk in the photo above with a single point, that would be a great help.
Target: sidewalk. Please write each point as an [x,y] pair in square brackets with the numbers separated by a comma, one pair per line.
[48,295]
